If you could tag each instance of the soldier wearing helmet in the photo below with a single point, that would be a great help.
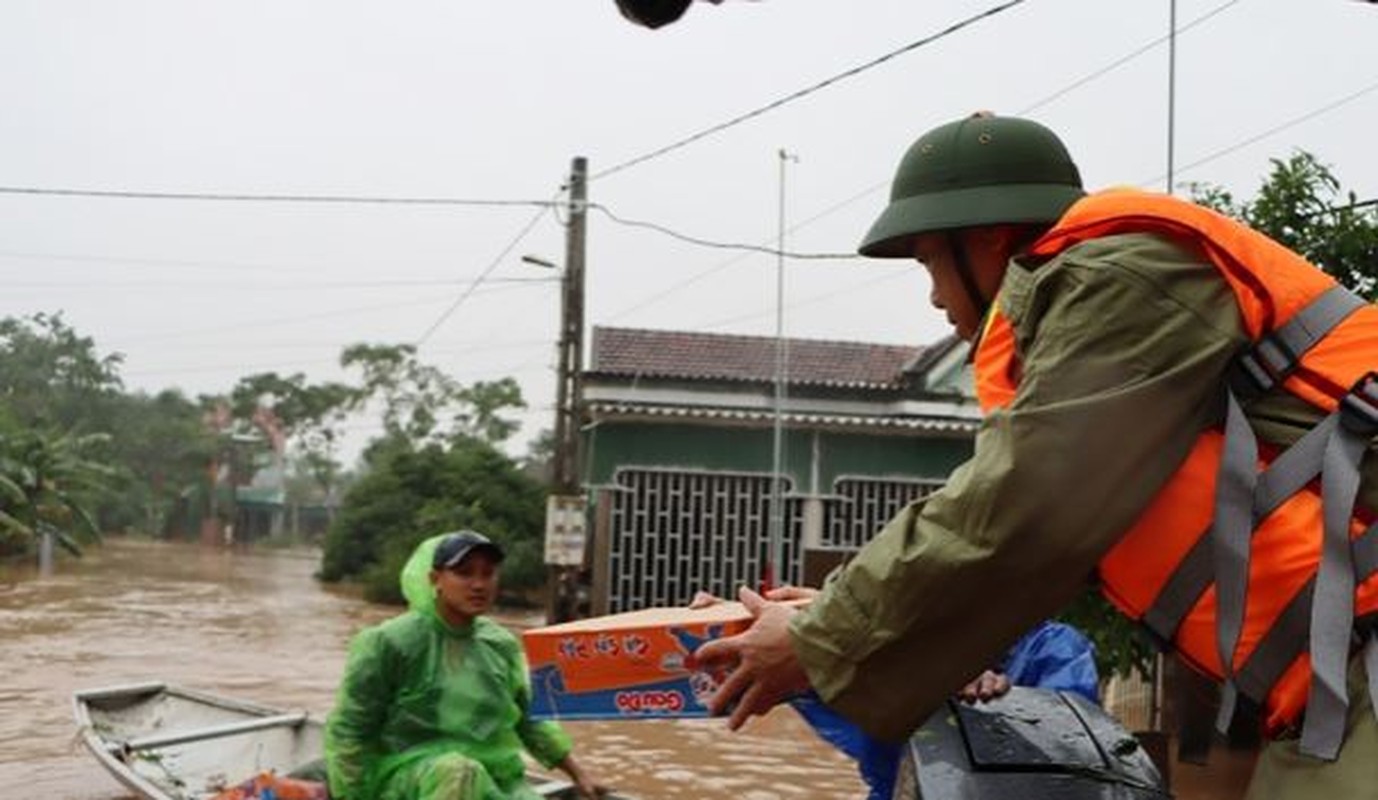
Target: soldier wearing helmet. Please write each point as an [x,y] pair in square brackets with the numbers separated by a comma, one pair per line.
[1143,365]
[966,196]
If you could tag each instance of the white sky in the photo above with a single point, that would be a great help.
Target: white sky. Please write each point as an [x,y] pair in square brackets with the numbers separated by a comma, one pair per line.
[490,99]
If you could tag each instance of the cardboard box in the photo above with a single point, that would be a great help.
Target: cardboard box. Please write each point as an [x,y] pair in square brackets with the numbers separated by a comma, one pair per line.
[626,666]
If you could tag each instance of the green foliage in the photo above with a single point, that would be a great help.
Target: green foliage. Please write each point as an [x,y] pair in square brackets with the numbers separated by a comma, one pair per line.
[1122,647]
[410,494]
[484,402]
[1302,206]
[307,417]
[413,394]
[55,386]
[51,378]
[422,405]
[539,459]
[160,445]
[48,486]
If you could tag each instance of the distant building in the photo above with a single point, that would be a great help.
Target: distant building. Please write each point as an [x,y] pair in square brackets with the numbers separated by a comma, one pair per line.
[678,454]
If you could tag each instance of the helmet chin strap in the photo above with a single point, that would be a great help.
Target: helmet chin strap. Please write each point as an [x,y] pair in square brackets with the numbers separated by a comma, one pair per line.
[962,262]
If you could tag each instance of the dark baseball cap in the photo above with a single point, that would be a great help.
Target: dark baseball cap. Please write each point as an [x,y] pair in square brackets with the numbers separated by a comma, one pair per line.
[456,547]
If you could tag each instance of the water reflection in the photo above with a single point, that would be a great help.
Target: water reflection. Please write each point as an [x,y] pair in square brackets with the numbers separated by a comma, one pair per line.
[256,625]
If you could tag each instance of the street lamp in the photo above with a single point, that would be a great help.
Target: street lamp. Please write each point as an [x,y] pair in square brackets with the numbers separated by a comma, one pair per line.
[539,262]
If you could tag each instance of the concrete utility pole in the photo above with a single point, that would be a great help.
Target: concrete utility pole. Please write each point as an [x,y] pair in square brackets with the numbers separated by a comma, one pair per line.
[565,509]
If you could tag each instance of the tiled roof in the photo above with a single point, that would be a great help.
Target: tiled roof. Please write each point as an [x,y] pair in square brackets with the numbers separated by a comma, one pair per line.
[928,424]
[714,356]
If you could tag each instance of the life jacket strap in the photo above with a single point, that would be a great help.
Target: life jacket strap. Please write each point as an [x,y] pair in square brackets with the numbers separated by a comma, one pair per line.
[1287,638]
[1275,355]
[1231,533]
[1371,667]
[1286,476]
[1332,611]
[1333,449]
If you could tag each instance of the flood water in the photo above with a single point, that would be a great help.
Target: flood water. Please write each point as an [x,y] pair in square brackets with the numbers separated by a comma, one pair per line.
[256,625]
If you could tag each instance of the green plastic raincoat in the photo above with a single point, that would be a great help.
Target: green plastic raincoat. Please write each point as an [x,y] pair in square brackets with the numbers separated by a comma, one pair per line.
[430,712]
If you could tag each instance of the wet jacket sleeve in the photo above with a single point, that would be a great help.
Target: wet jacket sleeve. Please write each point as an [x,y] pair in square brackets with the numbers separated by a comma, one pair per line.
[546,741]
[1123,341]
[355,724]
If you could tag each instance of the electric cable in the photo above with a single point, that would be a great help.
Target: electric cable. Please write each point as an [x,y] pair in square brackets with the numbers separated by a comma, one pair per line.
[1291,123]
[809,301]
[155,283]
[126,194]
[1130,56]
[1358,204]
[482,276]
[684,237]
[719,267]
[771,106]
[243,325]
[882,184]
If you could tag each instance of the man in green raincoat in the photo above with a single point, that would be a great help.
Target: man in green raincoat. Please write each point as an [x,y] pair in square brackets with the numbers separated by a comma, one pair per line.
[433,702]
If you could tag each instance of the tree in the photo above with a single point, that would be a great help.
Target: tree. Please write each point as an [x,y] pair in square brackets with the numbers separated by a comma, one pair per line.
[484,401]
[410,494]
[422,405]
[307,416]
[1302,205]
[159,446]
[53,379]
[48,488]
[413,395]
[539,461]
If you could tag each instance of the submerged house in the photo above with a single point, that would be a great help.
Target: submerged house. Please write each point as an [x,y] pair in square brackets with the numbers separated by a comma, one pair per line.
[679,449]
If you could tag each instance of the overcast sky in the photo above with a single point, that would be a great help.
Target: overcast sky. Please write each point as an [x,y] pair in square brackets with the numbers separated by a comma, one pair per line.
[490,99]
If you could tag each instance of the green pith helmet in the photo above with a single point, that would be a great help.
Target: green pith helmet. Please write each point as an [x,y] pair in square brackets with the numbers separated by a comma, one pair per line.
[982,170]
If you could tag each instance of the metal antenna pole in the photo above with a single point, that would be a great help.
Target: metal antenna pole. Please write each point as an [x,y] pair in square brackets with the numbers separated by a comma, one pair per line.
[775,576]
[1171,88]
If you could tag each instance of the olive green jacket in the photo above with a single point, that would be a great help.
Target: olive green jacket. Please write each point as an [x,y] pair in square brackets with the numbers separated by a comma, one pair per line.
[1124,343]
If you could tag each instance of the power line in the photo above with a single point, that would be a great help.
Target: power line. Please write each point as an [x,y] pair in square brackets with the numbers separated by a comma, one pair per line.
[825,297]
[471,346]
[1121,61]
[684,237]
[1356,205]
[1224,151]
[154,283]
[245,369]
[482,276]
[713,270]
[737,120]
[152,262]
[880,185]
[249,325]
[123,194]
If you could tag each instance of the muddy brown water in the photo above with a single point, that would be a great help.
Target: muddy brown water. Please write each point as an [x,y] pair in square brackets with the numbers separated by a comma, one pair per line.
[255,624]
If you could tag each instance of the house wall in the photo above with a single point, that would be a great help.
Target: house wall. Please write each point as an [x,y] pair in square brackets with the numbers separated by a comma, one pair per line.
[613,445]
[683,507]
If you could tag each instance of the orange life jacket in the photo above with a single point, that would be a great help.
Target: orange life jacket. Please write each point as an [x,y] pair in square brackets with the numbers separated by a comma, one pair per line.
[1172,569]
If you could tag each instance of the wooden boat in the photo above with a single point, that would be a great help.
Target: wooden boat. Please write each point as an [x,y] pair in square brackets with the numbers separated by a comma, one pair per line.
[166,742]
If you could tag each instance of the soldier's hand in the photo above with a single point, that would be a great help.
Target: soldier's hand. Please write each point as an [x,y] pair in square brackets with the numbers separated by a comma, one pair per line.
[766,671]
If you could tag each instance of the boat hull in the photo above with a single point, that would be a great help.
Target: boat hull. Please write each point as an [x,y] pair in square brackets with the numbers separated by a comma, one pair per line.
[167,742]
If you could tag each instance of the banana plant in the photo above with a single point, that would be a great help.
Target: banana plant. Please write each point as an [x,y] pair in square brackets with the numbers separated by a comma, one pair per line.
[46,483]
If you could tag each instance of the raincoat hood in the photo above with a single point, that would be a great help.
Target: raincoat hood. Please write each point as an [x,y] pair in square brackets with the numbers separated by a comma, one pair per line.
[416,578]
